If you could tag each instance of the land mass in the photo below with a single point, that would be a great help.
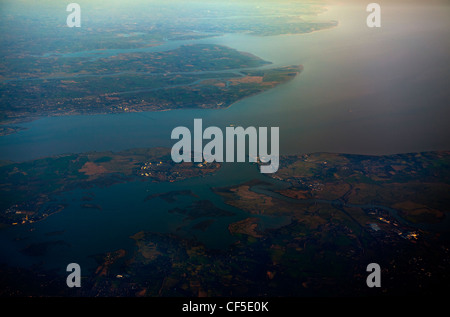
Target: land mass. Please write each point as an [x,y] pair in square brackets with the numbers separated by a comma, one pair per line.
[27,188]
[147,24]
[342,217]
[341,220]
[114,65]
[191,76]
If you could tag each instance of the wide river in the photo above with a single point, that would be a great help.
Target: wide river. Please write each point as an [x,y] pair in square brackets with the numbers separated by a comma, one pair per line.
[365,91]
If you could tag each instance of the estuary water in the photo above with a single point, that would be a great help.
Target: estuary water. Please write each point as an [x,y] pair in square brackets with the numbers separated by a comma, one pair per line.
[364,91]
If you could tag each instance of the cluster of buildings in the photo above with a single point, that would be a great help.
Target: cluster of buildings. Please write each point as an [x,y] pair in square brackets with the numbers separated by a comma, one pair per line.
[393,230]
[18,215]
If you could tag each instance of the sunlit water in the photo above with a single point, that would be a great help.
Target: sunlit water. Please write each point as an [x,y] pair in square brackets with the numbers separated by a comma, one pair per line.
[366,91]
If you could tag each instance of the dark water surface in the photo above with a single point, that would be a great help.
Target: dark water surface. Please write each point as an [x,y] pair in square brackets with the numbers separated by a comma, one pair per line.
[362,91]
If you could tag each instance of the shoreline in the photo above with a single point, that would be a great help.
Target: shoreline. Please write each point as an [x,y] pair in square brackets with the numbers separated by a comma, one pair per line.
[7,124]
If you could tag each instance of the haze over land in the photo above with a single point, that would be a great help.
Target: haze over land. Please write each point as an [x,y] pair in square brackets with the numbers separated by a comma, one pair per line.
[87,176]
[55,70]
